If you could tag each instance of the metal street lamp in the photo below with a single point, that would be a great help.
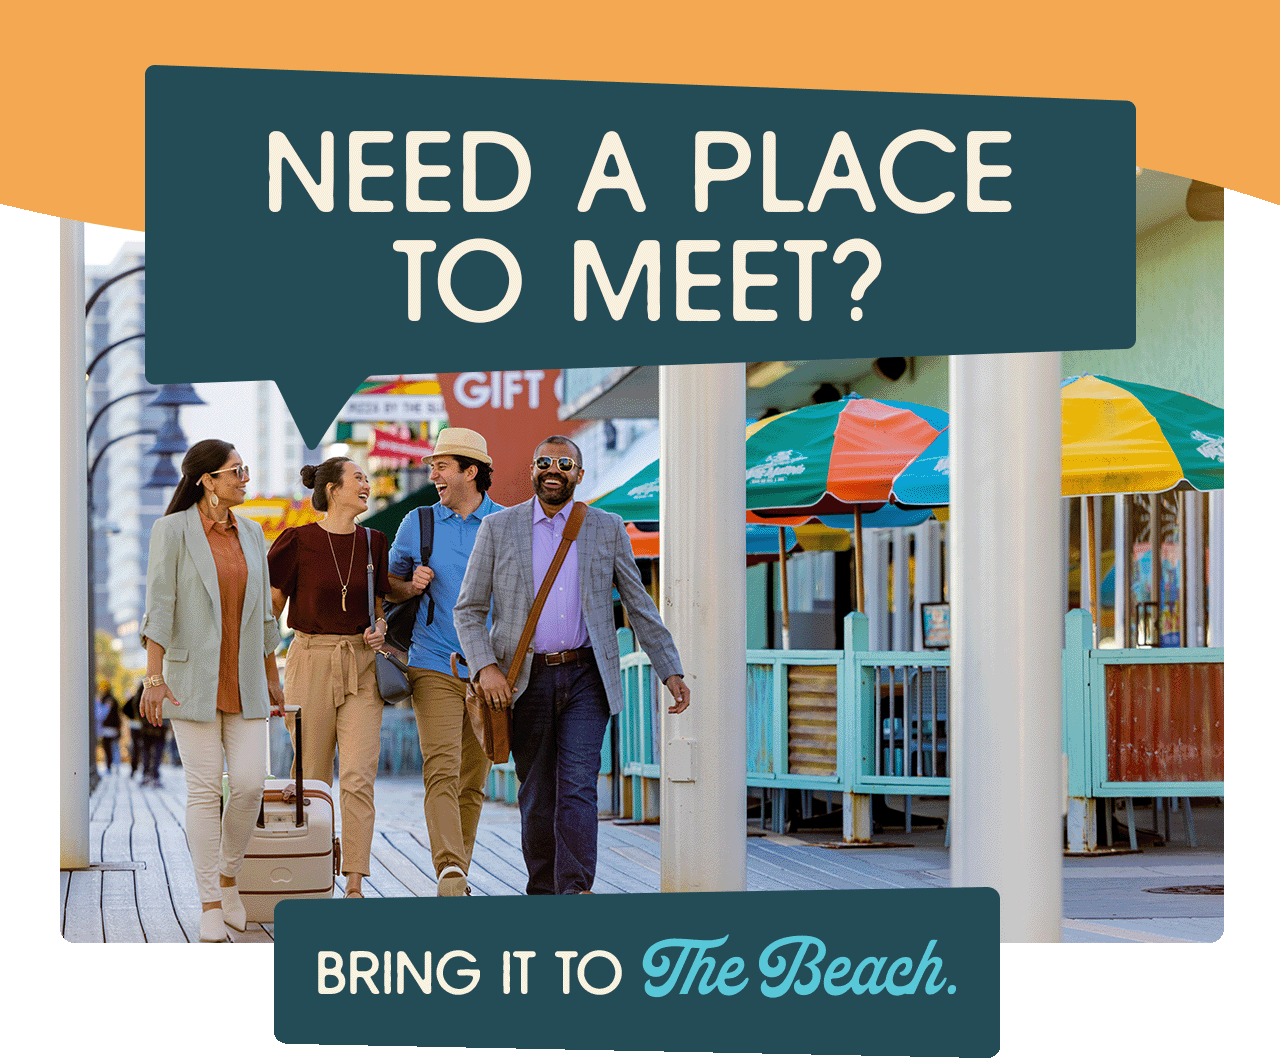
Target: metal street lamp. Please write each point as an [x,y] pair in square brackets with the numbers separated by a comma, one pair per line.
[175,395]
[93,624]
[94,362]
[101,411]
[88,305]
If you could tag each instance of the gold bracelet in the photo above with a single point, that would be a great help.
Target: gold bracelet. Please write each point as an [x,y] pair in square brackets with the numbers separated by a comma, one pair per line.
[153,681]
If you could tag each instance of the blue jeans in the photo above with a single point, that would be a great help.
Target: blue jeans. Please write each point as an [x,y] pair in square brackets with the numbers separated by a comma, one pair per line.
[559,725]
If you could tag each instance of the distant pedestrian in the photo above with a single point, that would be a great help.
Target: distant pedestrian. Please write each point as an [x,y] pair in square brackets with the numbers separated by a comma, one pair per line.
[107,714]
[321,570]
[211,637]
[147,740]
[131,712]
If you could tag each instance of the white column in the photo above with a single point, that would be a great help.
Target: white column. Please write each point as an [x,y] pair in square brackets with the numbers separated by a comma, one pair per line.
[1121,549]
[1006,634]
[928,575]
[875,575]
[702,411]
[74,762]
[901,591]
[1086,568]
[1217,528]
[1064,573]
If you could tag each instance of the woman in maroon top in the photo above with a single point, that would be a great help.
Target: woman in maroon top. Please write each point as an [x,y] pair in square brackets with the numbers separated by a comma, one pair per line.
[321,570]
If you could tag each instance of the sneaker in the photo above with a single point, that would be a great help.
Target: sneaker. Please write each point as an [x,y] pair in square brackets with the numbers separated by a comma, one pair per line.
[452,882]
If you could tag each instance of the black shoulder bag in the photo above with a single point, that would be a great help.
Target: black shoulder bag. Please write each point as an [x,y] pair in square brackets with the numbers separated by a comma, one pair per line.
[403,616]
[392,676]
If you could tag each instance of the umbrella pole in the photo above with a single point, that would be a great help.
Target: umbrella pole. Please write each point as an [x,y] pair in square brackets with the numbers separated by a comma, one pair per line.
[1153,534]
[861,596]
[786,606]
[1090,542]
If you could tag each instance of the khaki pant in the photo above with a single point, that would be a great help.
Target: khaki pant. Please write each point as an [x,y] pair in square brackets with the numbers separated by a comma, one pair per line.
[454,767]
[332,678]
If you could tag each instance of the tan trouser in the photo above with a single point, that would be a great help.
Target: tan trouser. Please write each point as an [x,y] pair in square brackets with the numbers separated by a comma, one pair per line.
[332,678]
[454,767]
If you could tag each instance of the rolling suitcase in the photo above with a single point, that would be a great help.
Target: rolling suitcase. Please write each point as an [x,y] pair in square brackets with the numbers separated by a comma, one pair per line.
[293,852]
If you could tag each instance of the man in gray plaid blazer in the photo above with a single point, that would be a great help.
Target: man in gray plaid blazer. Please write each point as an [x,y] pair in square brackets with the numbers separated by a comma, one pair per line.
[569,681]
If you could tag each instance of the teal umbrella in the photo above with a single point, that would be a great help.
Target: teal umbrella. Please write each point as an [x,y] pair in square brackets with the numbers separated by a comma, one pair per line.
[636,500]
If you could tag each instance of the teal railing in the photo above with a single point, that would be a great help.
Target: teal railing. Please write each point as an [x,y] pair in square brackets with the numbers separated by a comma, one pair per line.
[856,722]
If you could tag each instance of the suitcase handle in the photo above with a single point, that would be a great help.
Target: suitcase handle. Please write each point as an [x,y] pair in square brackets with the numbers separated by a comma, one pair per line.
[297,770]
[297,760]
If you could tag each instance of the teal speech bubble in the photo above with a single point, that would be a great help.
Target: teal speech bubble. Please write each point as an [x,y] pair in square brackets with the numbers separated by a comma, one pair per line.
[827,972]
[316,228]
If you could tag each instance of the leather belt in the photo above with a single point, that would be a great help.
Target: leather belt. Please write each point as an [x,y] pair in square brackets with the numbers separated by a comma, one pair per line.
[565,657]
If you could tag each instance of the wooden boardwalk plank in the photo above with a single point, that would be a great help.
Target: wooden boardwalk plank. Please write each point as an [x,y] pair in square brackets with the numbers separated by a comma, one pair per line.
[64,884]
[776,875]
[255,933]
[84,908]
[120,921]
[156,912]
[798,862]
[384,879]
[396,851]
[489,876]
[614,872]
[495,859]
[177,861]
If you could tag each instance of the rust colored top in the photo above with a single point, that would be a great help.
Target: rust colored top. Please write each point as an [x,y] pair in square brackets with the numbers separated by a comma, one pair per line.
[233,574]
[308,564]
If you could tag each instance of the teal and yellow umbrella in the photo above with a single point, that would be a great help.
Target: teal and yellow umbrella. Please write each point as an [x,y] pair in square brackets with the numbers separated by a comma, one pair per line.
[1117,437]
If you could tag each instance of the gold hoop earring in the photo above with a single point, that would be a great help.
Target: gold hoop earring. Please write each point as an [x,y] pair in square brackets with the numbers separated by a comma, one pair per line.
[213,499]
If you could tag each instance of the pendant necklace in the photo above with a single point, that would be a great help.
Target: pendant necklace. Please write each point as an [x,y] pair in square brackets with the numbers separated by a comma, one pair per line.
[338,569]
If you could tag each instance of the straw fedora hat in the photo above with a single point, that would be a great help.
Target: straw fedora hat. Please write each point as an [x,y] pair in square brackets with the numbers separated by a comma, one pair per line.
[459,441]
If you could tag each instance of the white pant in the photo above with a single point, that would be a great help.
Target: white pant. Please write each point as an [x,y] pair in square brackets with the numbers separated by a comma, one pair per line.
[217,845]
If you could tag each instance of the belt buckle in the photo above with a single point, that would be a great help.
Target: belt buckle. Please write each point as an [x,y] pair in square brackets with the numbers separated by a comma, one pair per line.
[559,658]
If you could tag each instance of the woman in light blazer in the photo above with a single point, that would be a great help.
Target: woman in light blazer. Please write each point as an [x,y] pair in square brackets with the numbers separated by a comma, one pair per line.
[210,636]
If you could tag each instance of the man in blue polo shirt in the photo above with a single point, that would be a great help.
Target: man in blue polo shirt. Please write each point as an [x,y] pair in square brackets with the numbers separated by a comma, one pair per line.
[454,766]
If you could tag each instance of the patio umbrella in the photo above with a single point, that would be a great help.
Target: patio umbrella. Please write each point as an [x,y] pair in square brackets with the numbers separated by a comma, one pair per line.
[1117,437]
[832,459]
[837,458]
[761,540]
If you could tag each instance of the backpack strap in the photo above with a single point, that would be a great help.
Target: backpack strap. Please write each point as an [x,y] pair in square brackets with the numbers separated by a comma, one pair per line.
[426,540]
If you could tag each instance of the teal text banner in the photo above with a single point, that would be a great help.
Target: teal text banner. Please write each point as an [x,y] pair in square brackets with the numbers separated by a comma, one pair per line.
[831,972]
[316,228]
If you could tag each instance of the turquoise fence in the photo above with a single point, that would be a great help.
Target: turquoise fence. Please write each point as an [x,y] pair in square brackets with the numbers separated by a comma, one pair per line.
[1142,722]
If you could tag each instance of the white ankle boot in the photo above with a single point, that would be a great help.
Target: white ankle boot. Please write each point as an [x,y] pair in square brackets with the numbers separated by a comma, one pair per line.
[233,913]
[212,928]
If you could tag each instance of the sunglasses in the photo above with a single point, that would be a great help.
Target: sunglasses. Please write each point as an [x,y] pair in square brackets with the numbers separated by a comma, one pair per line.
[564,463]
[241,470]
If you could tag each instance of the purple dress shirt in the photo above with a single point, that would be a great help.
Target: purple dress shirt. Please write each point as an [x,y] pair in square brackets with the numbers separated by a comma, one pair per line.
[561,625]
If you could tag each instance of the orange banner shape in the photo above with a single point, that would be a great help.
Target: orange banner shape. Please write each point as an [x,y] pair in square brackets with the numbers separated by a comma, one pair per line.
[73,82]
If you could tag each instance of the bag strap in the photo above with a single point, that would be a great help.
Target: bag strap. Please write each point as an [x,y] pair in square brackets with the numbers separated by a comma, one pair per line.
[426,532]
[368,546]
[571,527]
[426,541]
